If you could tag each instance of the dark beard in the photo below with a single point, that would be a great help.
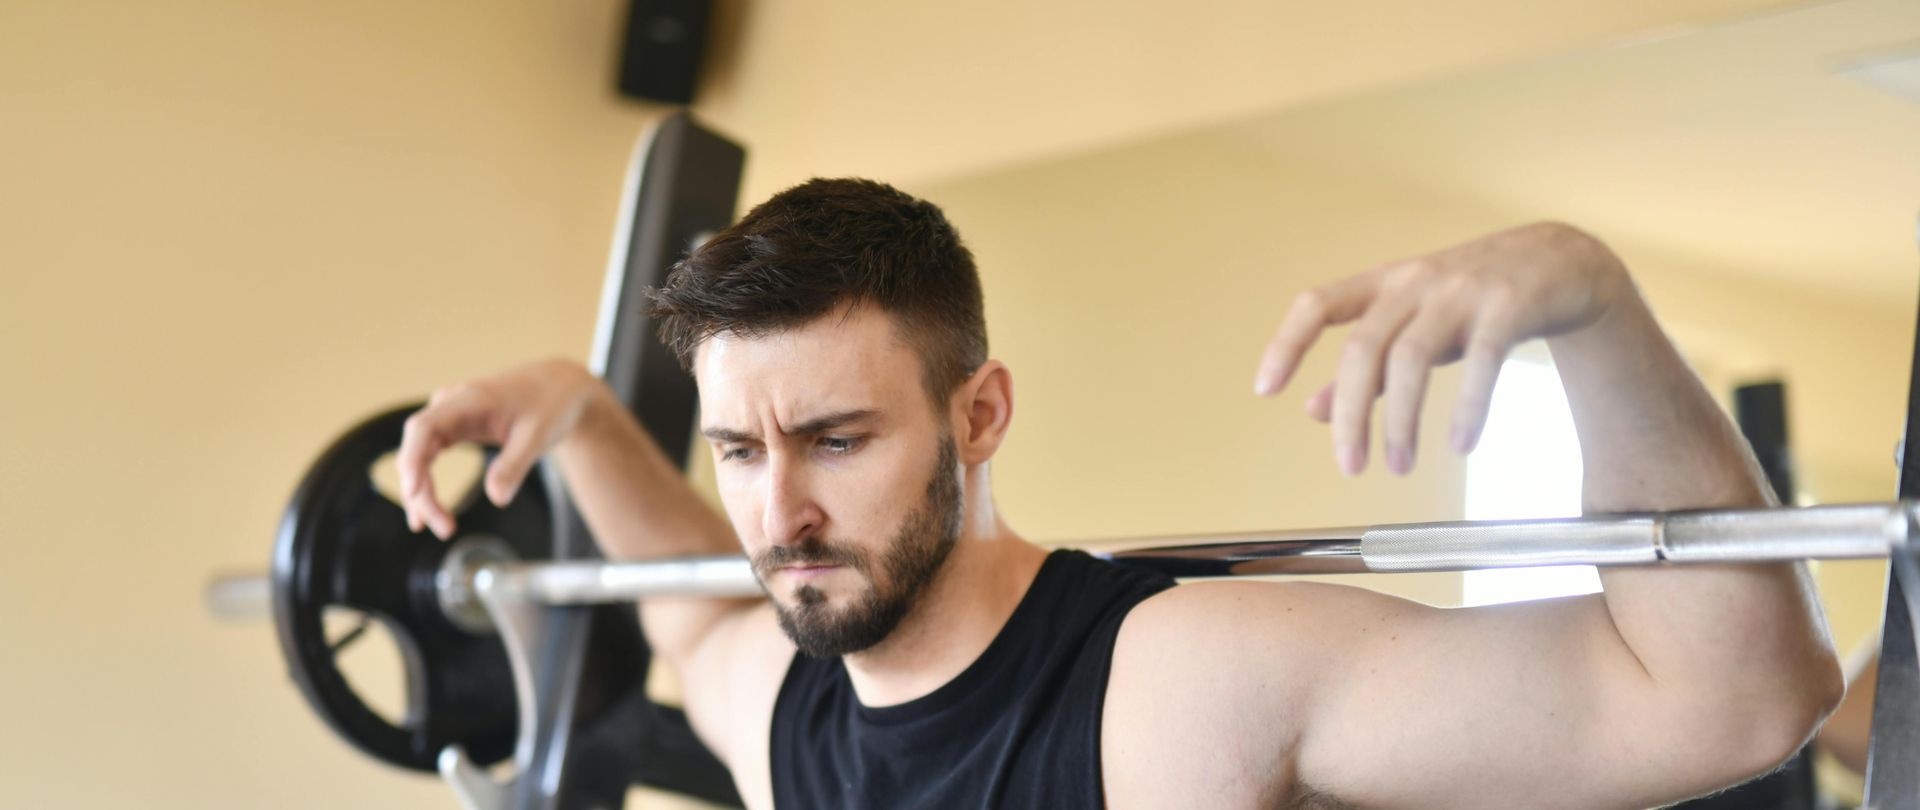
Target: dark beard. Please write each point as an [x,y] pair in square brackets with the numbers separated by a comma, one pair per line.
[909,564]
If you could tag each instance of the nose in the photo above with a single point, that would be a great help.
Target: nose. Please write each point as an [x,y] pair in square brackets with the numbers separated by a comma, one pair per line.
[792,514]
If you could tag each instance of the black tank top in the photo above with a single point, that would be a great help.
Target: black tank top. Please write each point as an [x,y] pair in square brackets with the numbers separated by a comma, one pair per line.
[1020,727]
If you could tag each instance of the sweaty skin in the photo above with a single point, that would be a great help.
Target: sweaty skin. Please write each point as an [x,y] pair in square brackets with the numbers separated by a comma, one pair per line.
[1227,694]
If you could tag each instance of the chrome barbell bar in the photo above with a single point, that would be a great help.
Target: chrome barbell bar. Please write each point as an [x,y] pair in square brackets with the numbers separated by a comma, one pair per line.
[1847,531]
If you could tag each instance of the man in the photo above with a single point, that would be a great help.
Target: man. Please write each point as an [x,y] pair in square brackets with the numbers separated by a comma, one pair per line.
[915,651]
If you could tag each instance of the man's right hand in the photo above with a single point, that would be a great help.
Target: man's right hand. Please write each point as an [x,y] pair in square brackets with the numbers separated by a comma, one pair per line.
[524,411]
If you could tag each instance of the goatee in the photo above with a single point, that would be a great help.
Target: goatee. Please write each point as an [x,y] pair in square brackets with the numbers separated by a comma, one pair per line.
[907,565]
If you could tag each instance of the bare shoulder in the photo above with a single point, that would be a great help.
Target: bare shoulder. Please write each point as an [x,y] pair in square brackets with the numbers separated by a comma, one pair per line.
[730,690]
[1209,686]
[1241,627]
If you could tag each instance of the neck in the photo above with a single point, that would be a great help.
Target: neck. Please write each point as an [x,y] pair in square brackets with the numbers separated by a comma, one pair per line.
[960,611]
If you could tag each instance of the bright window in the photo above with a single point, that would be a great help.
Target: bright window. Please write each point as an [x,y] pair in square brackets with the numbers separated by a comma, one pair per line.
[1526,466]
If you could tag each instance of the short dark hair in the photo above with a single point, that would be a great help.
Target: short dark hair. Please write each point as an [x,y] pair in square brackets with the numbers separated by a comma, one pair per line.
[827,243]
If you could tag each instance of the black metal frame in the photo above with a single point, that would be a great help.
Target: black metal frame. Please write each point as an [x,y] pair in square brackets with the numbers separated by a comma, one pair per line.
[605,735]
[1893,758]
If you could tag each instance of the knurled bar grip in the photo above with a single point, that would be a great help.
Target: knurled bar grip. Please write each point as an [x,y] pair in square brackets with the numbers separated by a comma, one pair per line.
[1853,531]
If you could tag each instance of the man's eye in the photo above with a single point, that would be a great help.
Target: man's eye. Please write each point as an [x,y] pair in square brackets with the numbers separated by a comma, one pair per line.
[736,454]
[839,446]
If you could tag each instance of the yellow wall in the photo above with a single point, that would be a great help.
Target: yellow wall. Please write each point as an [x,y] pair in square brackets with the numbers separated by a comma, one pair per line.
[1131,290]
[228,229]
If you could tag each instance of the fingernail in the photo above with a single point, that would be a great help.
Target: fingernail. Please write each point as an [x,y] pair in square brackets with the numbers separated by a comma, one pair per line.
[1399,460]
[1350,459]
[1270,381]
[1462,439]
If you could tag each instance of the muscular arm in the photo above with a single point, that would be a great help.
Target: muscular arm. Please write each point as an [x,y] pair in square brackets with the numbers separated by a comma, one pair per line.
[1671,683]
[639,505]
[1849,732]
[1745,648]
[727,653]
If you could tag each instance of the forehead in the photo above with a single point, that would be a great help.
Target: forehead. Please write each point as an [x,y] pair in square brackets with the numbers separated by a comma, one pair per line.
[851,358]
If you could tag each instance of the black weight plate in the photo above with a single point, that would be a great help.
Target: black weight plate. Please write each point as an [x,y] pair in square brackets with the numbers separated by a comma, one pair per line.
[342,543]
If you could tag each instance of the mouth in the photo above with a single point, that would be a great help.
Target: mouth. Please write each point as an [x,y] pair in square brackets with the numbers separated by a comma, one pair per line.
[808,573]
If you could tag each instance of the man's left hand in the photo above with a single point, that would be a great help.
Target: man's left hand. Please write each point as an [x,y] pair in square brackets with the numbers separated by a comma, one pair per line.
[1476,300]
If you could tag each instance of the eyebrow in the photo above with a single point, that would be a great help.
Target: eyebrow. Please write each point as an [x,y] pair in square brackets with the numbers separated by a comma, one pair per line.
[818,424]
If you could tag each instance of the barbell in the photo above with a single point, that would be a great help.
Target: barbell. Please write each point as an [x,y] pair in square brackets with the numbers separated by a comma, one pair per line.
[473,614]
[478,562]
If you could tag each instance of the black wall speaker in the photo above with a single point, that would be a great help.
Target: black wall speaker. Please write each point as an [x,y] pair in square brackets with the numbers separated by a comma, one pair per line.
[1761,411]
[661,58]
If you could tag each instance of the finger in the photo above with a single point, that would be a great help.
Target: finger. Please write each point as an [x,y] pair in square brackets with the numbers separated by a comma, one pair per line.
[1427,341]
[1357,383]
[425,511]
[1312,312]
[451,420]
[524,445]
[422,505]
[1487,347]
[419,444]
[429,511]
[1320,405]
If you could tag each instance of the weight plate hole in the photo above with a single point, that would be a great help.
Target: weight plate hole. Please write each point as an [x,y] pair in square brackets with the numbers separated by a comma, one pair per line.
[456,475]
[371,659]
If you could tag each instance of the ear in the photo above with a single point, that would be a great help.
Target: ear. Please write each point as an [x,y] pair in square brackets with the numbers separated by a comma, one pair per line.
[982,409]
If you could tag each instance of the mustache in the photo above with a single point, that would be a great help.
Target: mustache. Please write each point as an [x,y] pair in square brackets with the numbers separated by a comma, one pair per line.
[810,552]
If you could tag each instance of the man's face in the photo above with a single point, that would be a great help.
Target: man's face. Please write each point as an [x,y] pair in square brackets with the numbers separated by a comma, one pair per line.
[836,473]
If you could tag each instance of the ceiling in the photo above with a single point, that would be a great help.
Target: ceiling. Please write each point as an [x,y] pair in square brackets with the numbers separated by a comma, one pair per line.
[1720,132]
[918,91]
[1741,147]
